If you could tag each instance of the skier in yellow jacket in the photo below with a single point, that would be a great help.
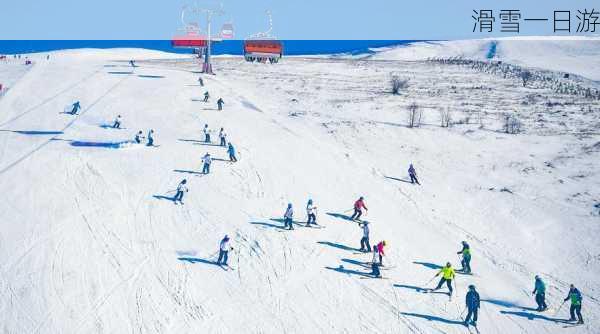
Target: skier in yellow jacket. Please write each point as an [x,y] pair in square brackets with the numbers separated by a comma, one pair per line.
[447,277]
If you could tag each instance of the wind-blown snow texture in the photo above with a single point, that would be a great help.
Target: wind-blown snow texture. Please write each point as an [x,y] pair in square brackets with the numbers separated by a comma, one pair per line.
[88,245]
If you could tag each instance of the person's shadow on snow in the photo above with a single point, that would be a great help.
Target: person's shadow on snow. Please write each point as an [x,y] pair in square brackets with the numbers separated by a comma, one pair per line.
[161,197]
[343,270]
[340,246]
[197,260]
[433,318]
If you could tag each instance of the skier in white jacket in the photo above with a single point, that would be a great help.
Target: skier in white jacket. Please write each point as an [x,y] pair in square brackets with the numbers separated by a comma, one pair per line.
[288,216]
[224,249]
[311,212]
[207,160]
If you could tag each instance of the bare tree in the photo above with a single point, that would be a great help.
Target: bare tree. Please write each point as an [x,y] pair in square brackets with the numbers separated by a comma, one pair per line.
[445,118]
[414,115]
[398,84]
[525,76]
[512,124]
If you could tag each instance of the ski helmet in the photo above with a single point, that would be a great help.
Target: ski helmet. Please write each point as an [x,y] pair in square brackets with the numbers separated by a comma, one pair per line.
[361,197]
[184,181]
[384,243]
[289,205]
[448,264]
[471,287]
[537,276]
[310,201]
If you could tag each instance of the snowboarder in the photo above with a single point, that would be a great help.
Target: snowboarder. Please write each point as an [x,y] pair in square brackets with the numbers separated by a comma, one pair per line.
[311,212]
[117,123]
[575,297]
[413,174]
[201,82]
[75,108]
[222,136]
[224,249]
[447,277]
[365,246]
[207,160]
[539,291]
[206,134]
[288,216]
[220,104]
[375,269]
[231,151]
[150,138]
[380,253]
[358,206]
[466,257]
[181,188]
[138,137]
[206,96]
[472,301]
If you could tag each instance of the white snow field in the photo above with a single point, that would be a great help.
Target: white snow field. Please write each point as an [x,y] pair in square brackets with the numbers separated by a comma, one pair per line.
[88,245]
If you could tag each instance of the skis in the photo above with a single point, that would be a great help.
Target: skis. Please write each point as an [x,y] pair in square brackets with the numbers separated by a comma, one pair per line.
[226,267]
[381,277]
[314,226]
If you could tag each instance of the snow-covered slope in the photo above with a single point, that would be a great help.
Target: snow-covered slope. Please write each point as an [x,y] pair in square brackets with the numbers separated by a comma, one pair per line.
[578,55]
[88,245]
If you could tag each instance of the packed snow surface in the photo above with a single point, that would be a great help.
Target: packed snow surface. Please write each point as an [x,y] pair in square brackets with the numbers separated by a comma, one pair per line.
[91,243]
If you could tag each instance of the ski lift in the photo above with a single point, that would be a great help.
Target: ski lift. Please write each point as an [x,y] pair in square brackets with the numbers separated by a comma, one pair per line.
[227,31]
[192,38]
[263,47]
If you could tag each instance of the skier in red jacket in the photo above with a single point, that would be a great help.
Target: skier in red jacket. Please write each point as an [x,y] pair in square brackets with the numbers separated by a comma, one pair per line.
[358,206]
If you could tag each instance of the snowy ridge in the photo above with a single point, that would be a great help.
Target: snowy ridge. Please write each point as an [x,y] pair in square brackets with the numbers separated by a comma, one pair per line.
[90,242]
[571,54]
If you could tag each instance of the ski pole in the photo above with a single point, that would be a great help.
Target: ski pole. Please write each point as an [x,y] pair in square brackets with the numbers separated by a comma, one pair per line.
[431,280]
[561,305]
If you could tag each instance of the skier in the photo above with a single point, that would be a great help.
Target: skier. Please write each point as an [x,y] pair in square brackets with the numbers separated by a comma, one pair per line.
[375,269]
[413,174]
[181,188]
[575,297]
[206,96]
[201,82]
[75,108]
[539,291]
[311,212]
[220,103]
[466,258]
[206,134]
[380,253]
[117,123]
[207,160]
[132,63]
[364,242]
[138,137]
[288,216]
[224,249]
[447,277]
[150,138]
[472,301]
[358,206]
[222,136]
[231,151]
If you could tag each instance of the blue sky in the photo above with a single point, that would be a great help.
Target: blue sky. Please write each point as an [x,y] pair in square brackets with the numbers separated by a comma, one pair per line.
[299,19]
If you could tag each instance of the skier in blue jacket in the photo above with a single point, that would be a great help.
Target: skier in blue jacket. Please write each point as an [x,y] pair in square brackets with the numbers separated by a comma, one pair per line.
[540,294]
[472,302]
[231,151]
